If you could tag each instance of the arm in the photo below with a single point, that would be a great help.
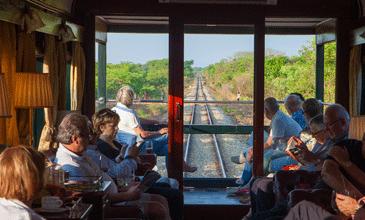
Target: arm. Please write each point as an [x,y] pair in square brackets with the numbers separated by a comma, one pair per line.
[148,121]
[355,173]
[268,142]
[332,176]
[305,156]
[146,134]
[341,155]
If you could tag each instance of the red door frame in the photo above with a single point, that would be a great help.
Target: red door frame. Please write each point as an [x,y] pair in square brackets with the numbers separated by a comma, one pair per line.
[176,95]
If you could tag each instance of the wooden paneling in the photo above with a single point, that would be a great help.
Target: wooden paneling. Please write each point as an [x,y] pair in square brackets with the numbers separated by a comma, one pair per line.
[62,7]
[284,8]
[326,31]
[320,72]
[88,103]
[101,30]
[258,123]
[342,62]
[175,99]
[201,29]
[357,127]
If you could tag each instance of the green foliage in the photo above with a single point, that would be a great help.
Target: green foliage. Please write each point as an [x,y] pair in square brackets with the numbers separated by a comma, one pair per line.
[148,80]
[283,74]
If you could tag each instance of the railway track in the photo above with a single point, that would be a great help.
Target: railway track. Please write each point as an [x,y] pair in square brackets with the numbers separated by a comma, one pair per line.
[207,146]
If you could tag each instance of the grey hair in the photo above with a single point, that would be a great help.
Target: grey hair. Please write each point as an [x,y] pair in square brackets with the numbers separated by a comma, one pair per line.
[72,124]
[125,95]
[292,102]
[312,107]
[341,112]
[317,121]
[271,104]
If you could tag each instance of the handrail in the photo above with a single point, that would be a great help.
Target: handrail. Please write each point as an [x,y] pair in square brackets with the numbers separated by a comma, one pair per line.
[148,101]
[219,129]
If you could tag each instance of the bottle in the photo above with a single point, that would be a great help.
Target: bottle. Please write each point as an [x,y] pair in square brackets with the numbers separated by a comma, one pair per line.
[61,175]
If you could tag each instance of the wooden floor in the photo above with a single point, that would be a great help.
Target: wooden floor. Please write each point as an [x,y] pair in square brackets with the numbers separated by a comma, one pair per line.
[212,203]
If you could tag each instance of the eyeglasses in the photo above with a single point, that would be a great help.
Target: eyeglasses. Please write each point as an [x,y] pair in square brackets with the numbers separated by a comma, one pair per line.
[328,125]
[317,132]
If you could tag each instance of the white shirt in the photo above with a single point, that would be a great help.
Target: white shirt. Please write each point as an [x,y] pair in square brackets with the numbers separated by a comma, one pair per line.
[283,126]
[128,119]
[12,209]
[80,167]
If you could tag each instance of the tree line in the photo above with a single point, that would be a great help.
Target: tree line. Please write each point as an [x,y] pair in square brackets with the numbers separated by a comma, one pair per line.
[283,75]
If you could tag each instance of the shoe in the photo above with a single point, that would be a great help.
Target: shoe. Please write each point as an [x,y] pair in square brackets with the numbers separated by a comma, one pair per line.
[238,159]
[189,169]
[240,181]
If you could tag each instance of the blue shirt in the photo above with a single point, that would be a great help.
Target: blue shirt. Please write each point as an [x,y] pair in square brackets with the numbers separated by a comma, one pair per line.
[298,116]
[126,168]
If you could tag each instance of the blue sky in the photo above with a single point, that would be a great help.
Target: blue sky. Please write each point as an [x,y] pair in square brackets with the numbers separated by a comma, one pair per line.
[203,49]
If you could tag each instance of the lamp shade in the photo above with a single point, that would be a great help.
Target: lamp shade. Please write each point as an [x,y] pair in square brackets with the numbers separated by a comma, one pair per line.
[4,100]
[32,90]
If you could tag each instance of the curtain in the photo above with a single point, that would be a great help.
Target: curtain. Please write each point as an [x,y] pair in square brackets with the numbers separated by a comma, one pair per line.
[50,65]
[8,67]
[355,80]
[26,62]
[62,63]
[77,76]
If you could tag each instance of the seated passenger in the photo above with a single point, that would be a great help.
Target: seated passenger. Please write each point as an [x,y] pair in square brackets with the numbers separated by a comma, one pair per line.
[311,108]
[293,105]
[106,126]
[336,120]
[21,179]
[282,128]
[348,208]
[130,129]
[73,135]
[312,160]
[344,170]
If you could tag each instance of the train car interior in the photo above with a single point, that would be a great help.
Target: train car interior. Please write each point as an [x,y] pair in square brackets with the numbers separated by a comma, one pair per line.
[58,85]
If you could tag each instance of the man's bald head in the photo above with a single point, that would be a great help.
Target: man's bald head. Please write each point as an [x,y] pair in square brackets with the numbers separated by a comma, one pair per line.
[337,121]
[293,103]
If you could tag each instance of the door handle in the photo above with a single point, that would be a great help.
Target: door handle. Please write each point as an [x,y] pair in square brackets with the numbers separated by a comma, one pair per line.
[178,111]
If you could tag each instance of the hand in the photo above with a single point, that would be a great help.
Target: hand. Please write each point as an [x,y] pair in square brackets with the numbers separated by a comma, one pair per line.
[249,155]
[346,205]
[299,143]
[163,131]
[133,191]
[340,154]
[133,151]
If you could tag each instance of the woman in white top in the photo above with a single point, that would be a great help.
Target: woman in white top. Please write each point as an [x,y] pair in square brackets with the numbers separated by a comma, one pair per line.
[21,179]
[130,129]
